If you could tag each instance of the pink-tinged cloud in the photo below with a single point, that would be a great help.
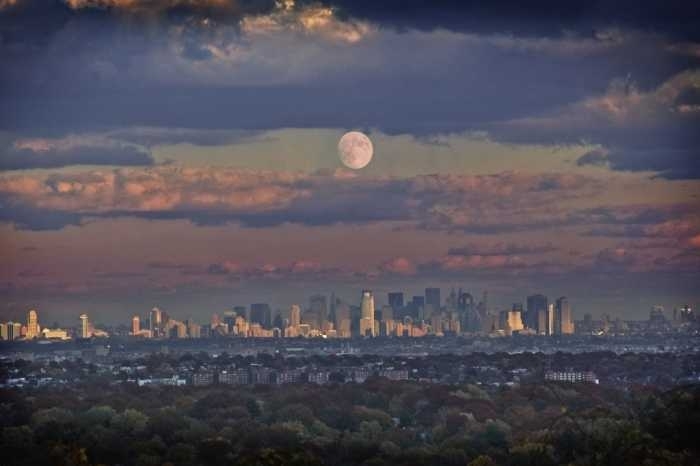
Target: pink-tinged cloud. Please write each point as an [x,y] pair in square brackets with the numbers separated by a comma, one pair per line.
[398,265]
[218,195]
[694,241]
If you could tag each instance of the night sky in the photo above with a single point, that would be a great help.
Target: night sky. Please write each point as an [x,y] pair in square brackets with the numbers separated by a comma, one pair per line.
[183,153]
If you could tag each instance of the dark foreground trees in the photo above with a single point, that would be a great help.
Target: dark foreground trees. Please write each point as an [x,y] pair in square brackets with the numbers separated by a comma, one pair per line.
[376,423]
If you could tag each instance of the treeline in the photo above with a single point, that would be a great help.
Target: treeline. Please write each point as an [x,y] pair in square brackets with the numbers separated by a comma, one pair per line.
[375,423]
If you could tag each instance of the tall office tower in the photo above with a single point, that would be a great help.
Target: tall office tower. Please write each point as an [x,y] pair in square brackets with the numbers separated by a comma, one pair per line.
[3,331]
[432,298]
[387,313]
[550,319]
[194,330]
[229,318]
[14,330]
[515,322]
[10,331]
[179,328]
[318,305]
[563,318]
[535,303]
[418,301]
[414,309]
[155,322]
[436,323]
[260,313]
[294,316]
[367,314]
[468,316]
[277,321]
[343,320]
[543,321]
[451,301]
[84,326]
[32,325]
[396,300]
[135,325]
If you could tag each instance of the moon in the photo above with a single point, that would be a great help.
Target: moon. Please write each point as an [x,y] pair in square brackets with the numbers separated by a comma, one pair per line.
[355,150]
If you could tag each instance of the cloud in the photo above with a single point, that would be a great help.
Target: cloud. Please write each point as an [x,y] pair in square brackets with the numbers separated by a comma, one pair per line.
[542,17]
[71,150]
[638,130]
[399,266]
[501,248]
[215,195]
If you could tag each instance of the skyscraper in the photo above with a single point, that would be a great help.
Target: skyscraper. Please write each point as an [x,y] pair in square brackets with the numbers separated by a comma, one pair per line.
[294,316]
[11,331]
[260,313]
[535,303]
[367,314]
[84,326]
[135,325]
[542,321]
[563,318]
[154,322]
[432,298]
[32,325]
[319,308]
[396,300]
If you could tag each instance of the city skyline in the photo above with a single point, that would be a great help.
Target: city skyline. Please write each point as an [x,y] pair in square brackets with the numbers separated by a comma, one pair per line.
[187,154]
[459,314]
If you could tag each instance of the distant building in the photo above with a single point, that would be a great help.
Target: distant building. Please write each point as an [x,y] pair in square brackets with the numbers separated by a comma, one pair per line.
[234,377]
[135,325]
[11,331]
[260,313]
[367,314]
[203,378]
[394,374]
[32,325]
[396,300]
[432,298]
[154,322]
[571,376]
[683,314]
[319,308]
[84,326]
[55,334]
[418,301]
[531,318]
[194,330]
[563,317]
[543,321]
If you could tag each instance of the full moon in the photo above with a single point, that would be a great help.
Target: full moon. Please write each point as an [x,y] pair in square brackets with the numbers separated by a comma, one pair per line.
[355,150]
